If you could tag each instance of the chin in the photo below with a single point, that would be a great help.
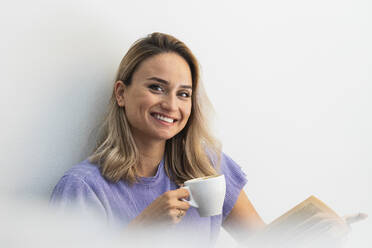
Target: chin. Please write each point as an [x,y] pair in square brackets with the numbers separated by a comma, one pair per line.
[165,136]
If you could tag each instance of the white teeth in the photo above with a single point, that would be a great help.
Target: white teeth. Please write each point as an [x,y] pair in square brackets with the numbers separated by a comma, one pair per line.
[163,118]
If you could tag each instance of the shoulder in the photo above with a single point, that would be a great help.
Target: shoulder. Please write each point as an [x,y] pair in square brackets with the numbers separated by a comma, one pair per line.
[82,175]
[225,164]
[82,183]
[229,167]
[84,171]
[80,189]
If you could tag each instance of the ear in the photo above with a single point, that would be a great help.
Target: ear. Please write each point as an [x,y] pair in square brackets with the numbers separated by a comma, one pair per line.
[119,89]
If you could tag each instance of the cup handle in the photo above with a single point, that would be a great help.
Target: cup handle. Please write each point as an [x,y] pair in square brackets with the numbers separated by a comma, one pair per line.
[191,201]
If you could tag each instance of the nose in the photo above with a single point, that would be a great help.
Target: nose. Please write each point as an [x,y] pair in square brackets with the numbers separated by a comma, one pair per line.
[169,103]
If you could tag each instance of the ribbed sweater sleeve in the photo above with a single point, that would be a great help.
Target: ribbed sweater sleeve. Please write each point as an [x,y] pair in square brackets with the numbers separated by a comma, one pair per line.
[235,181]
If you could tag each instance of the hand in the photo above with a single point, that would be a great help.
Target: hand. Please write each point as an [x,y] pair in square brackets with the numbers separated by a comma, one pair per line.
[167,209]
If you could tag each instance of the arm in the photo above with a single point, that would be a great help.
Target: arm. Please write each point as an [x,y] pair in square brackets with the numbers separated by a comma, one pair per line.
[243,220]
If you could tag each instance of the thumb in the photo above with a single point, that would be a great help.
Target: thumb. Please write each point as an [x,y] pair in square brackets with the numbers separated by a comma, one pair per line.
[353,218]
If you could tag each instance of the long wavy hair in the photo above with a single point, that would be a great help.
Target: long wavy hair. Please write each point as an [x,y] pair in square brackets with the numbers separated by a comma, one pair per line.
[192,153]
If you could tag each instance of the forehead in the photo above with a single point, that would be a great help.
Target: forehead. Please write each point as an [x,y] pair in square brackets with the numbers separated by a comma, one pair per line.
[168,66]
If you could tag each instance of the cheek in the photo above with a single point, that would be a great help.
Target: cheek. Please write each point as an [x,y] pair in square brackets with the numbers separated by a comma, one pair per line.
[138,104]
[187,111]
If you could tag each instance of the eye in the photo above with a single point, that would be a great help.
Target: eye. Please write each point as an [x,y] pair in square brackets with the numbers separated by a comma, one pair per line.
[185,94]
[156,87]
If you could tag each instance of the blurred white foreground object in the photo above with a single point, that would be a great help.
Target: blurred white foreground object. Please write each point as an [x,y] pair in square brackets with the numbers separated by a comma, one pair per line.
[29,224]
[25,224]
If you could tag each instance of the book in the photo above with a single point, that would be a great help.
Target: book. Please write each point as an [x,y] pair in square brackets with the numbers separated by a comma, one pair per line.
[311,223]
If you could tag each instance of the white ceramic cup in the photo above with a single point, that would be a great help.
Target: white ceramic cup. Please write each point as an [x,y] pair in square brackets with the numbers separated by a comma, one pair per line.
[207,194]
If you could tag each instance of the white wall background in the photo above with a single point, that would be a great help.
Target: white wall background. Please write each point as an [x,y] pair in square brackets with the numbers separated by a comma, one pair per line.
[290,81]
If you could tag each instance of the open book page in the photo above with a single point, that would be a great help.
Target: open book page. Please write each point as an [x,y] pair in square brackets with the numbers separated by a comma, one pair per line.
[308,224]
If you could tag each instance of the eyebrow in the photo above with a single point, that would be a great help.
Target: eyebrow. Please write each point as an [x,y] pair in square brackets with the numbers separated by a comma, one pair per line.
[167,83]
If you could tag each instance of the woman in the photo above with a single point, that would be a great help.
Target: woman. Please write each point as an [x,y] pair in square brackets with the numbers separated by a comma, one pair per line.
[154,138]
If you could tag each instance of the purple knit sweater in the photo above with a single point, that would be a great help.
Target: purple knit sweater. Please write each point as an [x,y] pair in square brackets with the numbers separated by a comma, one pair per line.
[84,188]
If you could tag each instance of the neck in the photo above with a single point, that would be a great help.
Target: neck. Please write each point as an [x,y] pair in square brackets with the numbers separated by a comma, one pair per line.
[151,153]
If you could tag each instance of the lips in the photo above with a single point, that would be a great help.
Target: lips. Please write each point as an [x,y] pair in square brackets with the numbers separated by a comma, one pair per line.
[164,117]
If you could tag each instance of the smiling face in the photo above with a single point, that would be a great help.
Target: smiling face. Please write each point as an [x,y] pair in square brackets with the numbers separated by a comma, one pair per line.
[158,101]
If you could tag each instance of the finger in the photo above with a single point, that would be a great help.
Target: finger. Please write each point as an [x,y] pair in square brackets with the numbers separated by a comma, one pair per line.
[181,213]
[183,205]
[182,193]
[177,215]
[353,218]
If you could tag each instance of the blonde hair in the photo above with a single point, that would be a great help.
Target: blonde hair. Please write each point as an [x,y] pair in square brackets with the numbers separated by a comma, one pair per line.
[192,153]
